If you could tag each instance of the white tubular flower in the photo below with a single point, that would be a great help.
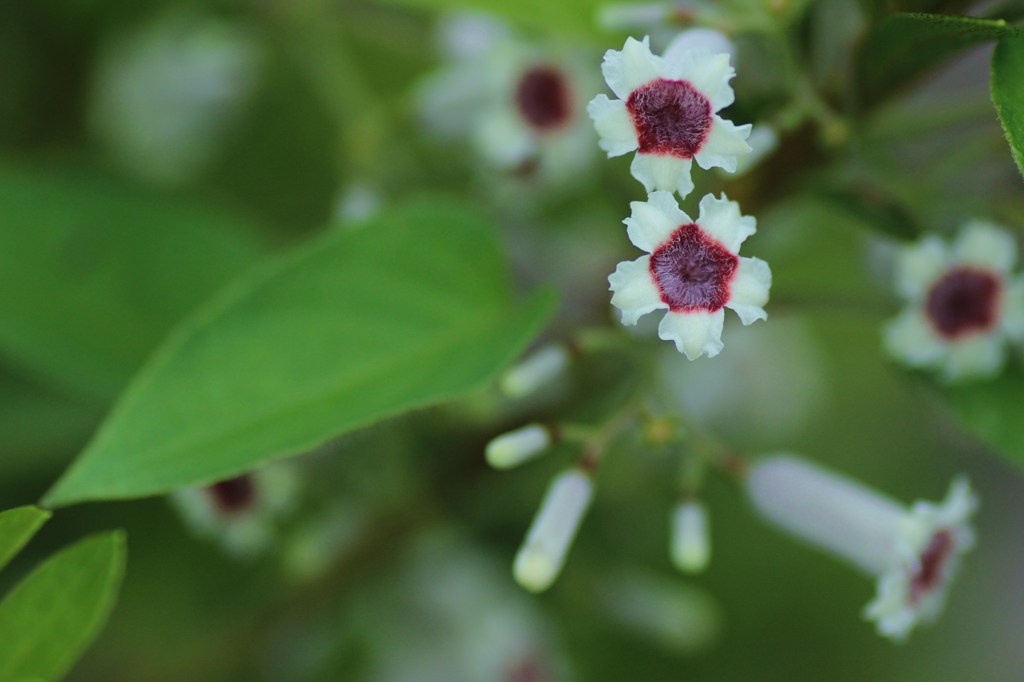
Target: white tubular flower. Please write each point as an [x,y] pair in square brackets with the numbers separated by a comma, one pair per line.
[665,111]
[543,554]
[690,546]
[516,447]
[535,371]
[693,271]
[964,303]
[913,552]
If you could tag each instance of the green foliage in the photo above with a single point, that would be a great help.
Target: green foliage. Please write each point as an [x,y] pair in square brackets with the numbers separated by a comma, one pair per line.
[1007,93]
[93,274]
[53,614]
[904,46]
[17,526]
[991,410]
[573,17]
[409,309]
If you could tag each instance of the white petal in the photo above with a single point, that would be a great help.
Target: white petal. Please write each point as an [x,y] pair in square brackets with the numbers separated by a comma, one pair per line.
[708,73]
[503,140]
[919,265]
[979,356]
[695,334]
[911,339]
[627,69]
[613,124]
[654,220]
[748,291]
[698,39]
[986,245]
[1012,314]
[724,143]
[721,219]
[633,290]
[668,173]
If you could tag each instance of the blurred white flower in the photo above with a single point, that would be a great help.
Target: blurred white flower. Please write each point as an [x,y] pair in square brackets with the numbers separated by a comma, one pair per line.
[520,107]
[693,270]
[665,111]
[240,513]
[455,617]
[535,371]
[517,447]
[164,95]
[964,303]
[914,552]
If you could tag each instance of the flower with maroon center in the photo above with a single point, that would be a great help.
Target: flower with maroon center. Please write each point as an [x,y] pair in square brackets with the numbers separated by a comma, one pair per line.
[241,512]
[666,112]
[913,552]
[519,105]
[964,303]
[693,271]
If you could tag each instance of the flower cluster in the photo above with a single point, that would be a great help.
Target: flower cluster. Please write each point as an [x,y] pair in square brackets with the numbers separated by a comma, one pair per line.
[666,112]
[964,303]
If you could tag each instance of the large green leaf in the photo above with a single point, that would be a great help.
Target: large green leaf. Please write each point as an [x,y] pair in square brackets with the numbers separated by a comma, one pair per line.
[53,614]
[411,308]
[17,526]
[991,410]
[903,46]
[1008,93]
[93,274]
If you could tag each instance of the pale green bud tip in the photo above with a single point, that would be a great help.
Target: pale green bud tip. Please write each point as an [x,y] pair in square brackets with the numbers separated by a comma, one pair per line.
[690,545]
[515,447]
[543,554]
[535,371]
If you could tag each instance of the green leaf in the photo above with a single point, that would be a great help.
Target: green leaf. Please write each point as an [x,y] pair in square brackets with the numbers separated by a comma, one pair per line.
[52,615]
[17,526]
[412,308]
[904,46]
[991,410]
[94,274]
[1008,93]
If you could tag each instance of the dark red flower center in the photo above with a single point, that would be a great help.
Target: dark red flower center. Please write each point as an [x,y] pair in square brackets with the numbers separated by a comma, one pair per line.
[233,495]
[962,302]
[929,571]
[693,271]
[670,117]
[543,98]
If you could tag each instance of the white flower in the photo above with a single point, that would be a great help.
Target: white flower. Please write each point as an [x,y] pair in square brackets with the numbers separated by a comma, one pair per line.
[547,543]
[913,552]
[693,270]
[164,95]
[536,371]
[964,303]
[520,108]
[665,111]
[241,512]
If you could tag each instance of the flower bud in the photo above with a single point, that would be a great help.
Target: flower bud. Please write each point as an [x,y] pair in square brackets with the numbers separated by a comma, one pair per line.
[516,447]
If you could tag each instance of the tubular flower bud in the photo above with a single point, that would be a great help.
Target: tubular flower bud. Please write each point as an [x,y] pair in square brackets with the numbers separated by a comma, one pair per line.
[690,544]
[913,552]
[543,554]
[535,371]
[516,447]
